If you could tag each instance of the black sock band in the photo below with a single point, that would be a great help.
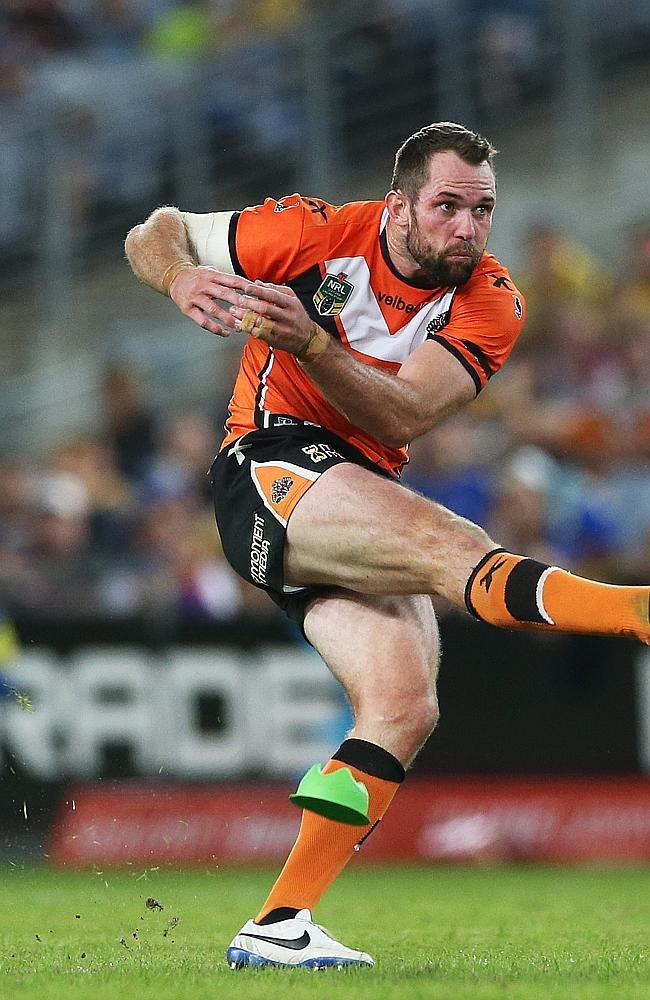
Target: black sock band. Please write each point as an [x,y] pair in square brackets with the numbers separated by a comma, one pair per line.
[371,759]
[520,594]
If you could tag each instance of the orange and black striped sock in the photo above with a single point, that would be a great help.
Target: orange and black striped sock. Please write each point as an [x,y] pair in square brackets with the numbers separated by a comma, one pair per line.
[324,847]
[519,593]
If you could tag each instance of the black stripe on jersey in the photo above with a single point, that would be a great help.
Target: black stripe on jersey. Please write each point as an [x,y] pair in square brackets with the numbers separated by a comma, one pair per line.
[467,365]
[232,245]
[258,412]
[383,244]
[305,286]
[480,357]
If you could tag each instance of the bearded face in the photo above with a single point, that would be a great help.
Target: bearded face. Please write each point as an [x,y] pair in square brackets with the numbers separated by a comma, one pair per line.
[450,265]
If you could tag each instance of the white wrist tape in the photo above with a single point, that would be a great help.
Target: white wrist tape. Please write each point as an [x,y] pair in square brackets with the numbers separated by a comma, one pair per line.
[209,236]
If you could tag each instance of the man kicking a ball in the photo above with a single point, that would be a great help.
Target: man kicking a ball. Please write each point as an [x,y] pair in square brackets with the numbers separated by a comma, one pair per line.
[366,325]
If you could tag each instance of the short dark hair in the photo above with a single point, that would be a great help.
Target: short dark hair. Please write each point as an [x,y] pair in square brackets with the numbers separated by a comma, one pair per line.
[412,158]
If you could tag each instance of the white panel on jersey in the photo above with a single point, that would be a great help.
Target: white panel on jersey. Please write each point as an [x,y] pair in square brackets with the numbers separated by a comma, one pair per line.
[364,324]
[209,234]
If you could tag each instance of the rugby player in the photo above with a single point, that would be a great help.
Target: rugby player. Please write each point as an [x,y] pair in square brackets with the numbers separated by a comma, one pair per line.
[367,324]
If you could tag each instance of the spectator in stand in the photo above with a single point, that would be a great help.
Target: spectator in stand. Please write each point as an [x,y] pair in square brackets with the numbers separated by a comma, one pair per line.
[113,29]
[128,421]
[15,527]
[181,568]
[110,496]
[183,33]
[64,572]
[549,507]
[632,295]
[41,27]
[180,469]
[559,273]
[451,465]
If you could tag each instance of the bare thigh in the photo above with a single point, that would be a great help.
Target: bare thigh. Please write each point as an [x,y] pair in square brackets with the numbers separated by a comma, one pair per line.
[384,650]
[357,530]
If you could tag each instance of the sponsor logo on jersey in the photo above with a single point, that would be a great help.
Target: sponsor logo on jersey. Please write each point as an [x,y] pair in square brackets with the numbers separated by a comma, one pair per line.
[280,421]
[438,323]
[280,488]
[284,204]
[259,551]
[500,281]
[332,294]
[397,302]
[319,452]
[519,308]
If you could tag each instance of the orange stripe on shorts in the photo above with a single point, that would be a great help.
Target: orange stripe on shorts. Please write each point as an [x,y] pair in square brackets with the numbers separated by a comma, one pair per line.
[281,485]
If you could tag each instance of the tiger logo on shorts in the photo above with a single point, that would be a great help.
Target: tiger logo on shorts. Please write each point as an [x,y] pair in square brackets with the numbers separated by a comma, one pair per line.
[280,488]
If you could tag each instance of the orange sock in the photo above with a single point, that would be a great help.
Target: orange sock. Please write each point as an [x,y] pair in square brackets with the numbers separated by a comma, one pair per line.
[519,593]
[324,847]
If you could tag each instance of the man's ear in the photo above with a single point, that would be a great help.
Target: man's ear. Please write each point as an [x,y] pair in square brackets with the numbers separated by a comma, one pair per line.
[399,209]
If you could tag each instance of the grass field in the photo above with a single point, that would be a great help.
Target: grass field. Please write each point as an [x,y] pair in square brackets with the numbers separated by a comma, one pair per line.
[435,932]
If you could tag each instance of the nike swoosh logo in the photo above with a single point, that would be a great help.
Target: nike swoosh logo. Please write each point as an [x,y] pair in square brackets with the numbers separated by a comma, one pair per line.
[296,944]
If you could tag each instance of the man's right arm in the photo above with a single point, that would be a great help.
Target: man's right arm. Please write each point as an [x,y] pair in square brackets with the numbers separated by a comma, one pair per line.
[155,245]
[162,255]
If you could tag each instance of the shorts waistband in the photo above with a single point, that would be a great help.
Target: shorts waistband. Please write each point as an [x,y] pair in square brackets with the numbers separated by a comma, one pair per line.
[272,420]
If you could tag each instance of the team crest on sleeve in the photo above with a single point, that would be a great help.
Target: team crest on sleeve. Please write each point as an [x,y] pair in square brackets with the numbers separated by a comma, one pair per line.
[519,308]
[332,294]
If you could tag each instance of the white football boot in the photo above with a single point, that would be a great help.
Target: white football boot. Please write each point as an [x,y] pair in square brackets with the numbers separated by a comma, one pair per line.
[294,943]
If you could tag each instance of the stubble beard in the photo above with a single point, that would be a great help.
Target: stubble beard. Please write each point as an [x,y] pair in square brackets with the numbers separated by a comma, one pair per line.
[439,268]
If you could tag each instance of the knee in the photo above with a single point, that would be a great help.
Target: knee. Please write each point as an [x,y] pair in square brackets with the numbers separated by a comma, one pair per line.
[407,723]
[423,716]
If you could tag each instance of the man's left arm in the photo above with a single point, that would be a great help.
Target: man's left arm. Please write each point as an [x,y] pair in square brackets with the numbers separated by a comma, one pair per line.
[393,407]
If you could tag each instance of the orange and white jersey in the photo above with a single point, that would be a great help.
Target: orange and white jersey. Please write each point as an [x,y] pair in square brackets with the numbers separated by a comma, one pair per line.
[336,260]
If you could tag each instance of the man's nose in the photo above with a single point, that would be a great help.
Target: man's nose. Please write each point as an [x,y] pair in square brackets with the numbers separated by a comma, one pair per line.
[465,225]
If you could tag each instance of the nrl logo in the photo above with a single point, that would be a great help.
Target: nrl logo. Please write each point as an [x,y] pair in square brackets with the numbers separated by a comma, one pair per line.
[333,292]
[280,488]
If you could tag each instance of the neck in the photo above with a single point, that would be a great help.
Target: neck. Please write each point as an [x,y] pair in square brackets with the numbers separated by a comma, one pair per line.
[399,254]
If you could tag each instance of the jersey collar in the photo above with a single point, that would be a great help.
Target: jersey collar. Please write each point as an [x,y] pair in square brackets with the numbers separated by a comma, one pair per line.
[383,243]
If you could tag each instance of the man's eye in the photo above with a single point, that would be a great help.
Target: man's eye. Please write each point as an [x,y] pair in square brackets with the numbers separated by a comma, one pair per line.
[446,206]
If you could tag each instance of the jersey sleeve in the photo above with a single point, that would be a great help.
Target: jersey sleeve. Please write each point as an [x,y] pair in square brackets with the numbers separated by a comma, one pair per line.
[485,319]
[273,241]
[279,239]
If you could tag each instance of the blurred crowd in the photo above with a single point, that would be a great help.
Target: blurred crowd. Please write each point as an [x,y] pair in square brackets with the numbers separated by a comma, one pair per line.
[70,71]
[553,459]
[34,31]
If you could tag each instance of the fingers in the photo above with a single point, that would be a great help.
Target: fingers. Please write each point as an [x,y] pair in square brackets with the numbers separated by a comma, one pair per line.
[282,289]
[258,326]
[258,308]
[219,303]
[200,318]
[266,292]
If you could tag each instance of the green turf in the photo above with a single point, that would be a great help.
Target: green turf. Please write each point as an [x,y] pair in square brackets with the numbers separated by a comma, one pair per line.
[435,932]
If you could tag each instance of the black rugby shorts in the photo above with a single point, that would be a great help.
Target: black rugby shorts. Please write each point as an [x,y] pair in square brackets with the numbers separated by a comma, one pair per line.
[257,482]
